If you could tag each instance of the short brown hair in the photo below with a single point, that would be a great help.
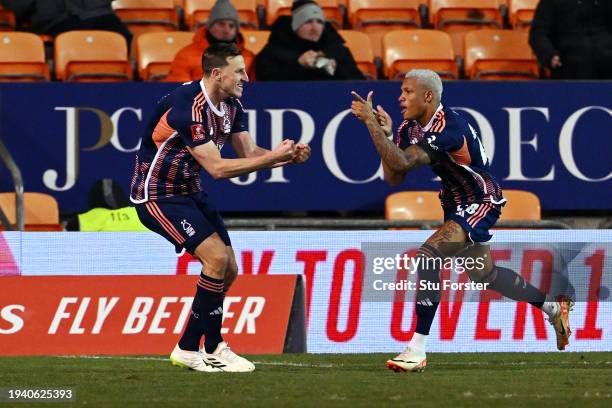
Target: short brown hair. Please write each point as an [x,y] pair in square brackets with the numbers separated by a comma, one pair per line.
[216,55]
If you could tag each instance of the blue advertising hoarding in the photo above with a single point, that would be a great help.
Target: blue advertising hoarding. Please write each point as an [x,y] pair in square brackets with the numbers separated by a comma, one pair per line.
[551,138]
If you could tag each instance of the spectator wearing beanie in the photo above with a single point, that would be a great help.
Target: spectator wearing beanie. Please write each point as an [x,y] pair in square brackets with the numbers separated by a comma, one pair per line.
[222,26]
[304,46]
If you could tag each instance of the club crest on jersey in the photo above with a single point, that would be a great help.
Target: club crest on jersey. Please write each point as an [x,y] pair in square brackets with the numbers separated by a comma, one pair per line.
[197,132]
[187,228]
[227,125]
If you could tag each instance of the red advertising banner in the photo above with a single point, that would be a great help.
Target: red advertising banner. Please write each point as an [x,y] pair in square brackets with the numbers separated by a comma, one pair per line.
[65,315]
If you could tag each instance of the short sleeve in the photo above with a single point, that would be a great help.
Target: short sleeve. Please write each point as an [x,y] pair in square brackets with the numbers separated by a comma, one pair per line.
[192,133]
[240,123]
[402,136]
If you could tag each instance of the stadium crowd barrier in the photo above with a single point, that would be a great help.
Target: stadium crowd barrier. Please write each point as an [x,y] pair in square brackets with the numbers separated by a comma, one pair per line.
[58,298]
[539,137]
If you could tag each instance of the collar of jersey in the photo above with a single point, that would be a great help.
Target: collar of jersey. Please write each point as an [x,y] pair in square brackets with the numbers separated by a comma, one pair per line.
[431,121]
[212,105]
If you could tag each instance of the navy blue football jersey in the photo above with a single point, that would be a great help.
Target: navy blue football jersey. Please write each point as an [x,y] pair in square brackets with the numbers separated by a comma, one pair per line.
[184,118]
[457,157]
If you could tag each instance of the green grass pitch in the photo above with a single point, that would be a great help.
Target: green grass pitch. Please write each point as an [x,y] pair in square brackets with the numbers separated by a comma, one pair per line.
[322,380]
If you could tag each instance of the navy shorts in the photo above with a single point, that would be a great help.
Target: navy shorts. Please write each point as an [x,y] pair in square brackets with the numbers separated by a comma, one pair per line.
[184,220]
[475,219]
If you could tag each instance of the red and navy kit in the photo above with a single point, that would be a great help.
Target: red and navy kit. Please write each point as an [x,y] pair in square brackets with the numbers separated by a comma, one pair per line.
[166,185]
[181,119]
[470,195]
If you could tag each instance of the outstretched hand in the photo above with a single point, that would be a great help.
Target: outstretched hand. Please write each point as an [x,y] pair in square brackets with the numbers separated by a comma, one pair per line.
[362,108]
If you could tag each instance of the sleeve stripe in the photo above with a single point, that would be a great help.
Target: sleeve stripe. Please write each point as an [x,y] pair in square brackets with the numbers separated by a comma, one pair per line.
[440,124]
[196,108]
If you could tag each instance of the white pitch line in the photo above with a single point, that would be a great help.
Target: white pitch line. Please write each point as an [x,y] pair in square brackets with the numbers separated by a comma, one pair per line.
[348,365]
[269,363]
[115,358]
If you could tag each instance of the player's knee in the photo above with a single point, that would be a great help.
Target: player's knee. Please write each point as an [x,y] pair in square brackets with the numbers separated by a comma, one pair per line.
[232,270]
[218,260]
[215,262]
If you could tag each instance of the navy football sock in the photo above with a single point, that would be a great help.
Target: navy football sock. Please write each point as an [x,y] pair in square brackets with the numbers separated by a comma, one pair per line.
[190,340]
[513,286]
[427,300]
[212,310]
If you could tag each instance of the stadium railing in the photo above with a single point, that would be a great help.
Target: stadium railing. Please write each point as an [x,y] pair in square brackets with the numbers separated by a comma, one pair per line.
[10,163]
[271,224]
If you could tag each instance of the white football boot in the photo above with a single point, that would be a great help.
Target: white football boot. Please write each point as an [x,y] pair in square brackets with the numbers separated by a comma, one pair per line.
[561,322]
[408,360]
[191,360]
[226,360]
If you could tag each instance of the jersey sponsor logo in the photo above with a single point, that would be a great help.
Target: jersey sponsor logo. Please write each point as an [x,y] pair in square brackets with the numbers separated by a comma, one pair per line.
[430,140]
[197,133]
[187,228]
[469,209]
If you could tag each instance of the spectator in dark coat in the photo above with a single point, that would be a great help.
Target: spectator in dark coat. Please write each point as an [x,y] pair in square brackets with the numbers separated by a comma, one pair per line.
[573,38]
[54,17]
[305,47]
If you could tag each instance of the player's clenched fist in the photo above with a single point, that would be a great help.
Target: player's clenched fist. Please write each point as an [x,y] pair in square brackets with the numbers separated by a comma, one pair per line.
[284,151]
[302,153]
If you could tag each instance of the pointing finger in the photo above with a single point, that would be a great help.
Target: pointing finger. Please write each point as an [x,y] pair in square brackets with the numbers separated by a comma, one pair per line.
[357,97]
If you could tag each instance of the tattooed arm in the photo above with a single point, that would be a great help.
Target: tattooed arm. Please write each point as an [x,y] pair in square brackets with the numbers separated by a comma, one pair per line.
[396,162]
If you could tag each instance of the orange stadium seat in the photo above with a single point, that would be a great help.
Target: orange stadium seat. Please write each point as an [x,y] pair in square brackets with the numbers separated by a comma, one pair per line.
[413,206]
[457,17]
[255,40]
[359,45]
[377,17]
[197,12]
[276,8]
[156,52]
[22,57]
[521,13]
[91,56]
[41,212]
[404,50]
[332,11]
[499,54]
[143,16]
[521,206]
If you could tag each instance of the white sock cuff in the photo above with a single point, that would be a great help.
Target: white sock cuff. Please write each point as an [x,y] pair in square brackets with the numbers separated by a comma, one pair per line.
[418,341]
[550,308]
